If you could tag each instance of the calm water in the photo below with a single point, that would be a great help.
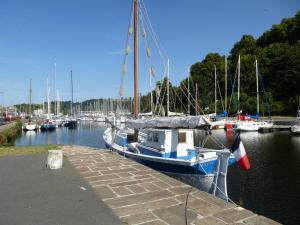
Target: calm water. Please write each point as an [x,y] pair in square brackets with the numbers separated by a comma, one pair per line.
[271,187]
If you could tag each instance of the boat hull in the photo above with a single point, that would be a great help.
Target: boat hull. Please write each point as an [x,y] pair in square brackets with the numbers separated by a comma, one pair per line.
[71,124]
[173,165]
[253,125]
[295,129]
[30,127]
[47,127]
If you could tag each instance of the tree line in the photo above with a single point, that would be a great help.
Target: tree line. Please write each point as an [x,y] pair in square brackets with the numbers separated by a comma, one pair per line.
[278,54]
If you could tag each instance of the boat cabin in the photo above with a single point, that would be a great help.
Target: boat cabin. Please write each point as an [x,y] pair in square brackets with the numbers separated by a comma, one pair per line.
[177,143]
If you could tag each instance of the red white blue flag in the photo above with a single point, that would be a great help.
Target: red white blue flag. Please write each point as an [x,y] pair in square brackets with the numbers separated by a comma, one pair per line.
[240,154]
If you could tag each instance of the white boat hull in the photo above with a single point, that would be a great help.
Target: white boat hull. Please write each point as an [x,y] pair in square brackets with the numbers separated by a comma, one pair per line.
[295,129]
[253,125]
[30,127]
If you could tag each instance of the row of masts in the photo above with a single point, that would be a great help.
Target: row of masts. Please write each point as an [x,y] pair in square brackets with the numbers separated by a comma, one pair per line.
[136,91]
[56,102]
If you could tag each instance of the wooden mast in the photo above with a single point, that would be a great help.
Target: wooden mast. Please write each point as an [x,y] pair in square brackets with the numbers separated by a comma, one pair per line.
[136,96]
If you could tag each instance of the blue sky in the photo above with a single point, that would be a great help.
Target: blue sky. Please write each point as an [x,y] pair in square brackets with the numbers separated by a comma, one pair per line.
[89,37]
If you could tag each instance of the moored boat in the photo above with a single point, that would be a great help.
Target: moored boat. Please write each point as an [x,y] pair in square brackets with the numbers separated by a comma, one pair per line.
[48,126]
[30,126]
[172,149]
[295,129]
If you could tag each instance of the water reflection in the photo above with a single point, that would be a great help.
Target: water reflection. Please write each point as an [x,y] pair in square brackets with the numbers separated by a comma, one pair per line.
[88,134]
[30,135]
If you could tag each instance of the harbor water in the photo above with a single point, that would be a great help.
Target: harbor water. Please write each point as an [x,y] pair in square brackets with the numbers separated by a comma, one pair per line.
[270,188]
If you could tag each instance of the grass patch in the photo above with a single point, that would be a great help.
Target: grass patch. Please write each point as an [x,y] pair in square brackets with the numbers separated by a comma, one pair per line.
[8,136]
[26,150]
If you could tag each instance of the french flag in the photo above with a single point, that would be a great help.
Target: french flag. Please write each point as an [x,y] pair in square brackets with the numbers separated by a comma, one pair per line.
[240,154]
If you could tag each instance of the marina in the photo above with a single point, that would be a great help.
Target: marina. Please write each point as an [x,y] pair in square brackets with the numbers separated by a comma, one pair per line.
[267,152]
[164,113]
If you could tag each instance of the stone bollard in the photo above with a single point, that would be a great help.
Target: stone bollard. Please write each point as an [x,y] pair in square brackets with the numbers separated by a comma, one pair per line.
[55,159]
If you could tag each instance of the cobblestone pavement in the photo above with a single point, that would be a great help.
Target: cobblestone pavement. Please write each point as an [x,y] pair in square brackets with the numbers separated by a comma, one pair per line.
[140,195]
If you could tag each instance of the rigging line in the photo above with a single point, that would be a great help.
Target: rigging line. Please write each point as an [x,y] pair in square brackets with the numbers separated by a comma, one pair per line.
[192,98]
[142,22]
[161,52]
[149,59]
[220,95]
[180,100]
[160,91]
[232,89]
[125,60]
[162,101]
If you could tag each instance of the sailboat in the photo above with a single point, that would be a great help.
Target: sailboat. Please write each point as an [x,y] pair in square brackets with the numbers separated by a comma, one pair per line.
[48,125]
[251,123]
[71,122]
[30,126]
[167,143]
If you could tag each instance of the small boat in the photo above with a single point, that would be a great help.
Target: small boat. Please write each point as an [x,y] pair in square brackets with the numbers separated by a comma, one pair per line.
[48,126]
[71,124]
[30,126]
[253,125]
[295,129]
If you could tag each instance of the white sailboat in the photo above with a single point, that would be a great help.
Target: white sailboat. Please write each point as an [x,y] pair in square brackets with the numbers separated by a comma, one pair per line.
[30,126]
[252,125]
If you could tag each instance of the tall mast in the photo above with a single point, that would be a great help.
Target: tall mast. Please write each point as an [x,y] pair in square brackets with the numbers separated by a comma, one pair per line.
[30,95]
[239,76]
[196,105]
[168,87]
[151,95]
[43,105]
[189,91]
[136,95]
[71,93]
[226,85]
[55,102]
[58,103]
[48,100]
[257,91]
[215,89]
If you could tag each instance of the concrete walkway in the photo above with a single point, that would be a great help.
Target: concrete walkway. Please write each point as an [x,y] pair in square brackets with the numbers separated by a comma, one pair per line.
[30,194]
[140,195]
[6,126]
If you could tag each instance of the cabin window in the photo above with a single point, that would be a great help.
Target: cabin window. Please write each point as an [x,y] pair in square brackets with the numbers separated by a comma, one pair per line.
[181,137]
[149,137]
[155,137]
